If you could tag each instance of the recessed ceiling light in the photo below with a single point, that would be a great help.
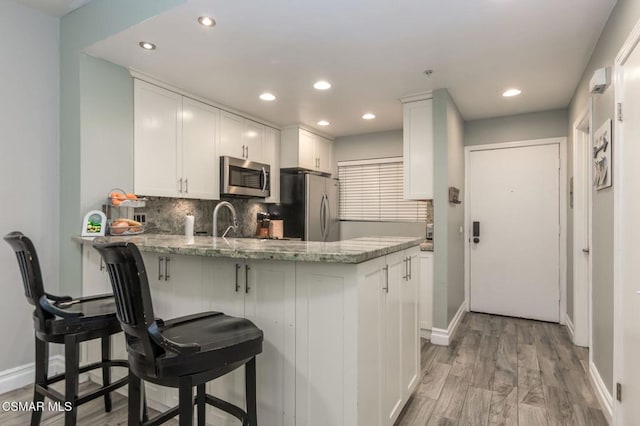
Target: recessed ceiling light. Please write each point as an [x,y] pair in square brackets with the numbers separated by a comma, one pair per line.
[322,85]
[323,123]
[147,46]
[511,92]
[207,21]
[369,116]
[268,97]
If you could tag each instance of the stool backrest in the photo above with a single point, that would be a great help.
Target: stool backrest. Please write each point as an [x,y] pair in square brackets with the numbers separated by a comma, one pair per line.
[134,308]
[31,274]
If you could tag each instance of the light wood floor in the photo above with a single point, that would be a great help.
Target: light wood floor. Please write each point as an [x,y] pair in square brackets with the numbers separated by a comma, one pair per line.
[497,371]
[504,371]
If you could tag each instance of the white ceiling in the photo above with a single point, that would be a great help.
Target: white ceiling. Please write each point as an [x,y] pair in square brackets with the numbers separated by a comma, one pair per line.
[57,8]
[372,51]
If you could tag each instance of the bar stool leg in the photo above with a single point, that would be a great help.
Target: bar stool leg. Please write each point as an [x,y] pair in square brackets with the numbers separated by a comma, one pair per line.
[106,371]
[42,367]
[135,400]
[250,382]
[71,373]
[185,402]
[200,398]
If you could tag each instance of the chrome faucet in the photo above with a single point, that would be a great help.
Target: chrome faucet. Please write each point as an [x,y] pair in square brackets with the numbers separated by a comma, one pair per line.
[215,218]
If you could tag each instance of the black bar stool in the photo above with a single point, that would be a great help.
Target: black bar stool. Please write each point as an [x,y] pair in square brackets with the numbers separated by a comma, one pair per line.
[180,353]
[61,319]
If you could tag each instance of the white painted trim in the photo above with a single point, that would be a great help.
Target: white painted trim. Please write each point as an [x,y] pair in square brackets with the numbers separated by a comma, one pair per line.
[618,225]
[570,328]
[441,336]
[562,279]
[582,289]
[602,393]
[415,97]
[17,377]
[425,334]
[368,161]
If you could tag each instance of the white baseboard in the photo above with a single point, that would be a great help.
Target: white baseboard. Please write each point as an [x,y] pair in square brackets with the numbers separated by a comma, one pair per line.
[17,377]
[570,328]
[604,397]
[441,336]
[425,334]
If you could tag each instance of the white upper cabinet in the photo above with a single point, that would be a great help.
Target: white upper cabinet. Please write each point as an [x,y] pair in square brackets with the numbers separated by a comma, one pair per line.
[200,165]
[418,148]
[272,158]
[305,150]
[157,134]
[241,138]
[175,151]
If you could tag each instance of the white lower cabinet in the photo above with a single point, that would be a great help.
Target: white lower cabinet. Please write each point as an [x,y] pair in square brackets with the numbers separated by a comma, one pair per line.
[264,293]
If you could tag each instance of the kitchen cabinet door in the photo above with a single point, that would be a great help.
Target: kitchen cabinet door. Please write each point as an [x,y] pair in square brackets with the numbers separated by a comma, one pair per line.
[157,136]
[253,140]
[270,305]
[410,336]
[324,154]
[307,150]
[418,150]
[272,158]
[392,350]
[231,138]
[200,163]
[426,290]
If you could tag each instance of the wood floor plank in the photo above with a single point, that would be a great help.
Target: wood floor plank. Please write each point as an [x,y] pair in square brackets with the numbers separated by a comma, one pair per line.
[433,381]
[485,366]
[497,325]
[441,421]
[531,416]
[525,332]
[475,411]
[467,352]
[589,416]
[451,400]
[506,373]
[559,408]
[504,407]
[417,411]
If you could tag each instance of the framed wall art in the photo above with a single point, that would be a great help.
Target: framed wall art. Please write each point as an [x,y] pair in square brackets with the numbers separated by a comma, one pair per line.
[602,155]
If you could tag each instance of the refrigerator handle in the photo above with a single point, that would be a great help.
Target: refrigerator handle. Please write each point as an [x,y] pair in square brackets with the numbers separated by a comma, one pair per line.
[322,217]
[327,216]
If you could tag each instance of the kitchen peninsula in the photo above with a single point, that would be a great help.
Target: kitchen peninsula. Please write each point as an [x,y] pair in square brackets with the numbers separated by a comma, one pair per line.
[340,319]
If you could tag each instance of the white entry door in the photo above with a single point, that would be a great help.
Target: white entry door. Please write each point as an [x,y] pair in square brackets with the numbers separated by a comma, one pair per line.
[626,249]
[514,196]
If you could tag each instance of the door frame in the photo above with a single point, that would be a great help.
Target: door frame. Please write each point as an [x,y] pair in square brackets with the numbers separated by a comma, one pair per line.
[580,326]
[562,147]
[619,225]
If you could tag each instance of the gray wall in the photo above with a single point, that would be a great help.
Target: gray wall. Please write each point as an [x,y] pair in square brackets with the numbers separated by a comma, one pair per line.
[29,164]
[93,22]
[621,21]
[448,131]
[535,125]
[367,146]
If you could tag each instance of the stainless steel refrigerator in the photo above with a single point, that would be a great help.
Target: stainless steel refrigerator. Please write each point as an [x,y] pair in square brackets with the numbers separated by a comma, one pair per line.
[309,207]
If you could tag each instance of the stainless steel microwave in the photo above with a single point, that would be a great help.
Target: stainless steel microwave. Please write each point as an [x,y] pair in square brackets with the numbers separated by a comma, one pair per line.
[244,178]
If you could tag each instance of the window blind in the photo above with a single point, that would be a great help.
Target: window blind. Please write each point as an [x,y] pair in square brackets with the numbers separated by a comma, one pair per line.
[372,190]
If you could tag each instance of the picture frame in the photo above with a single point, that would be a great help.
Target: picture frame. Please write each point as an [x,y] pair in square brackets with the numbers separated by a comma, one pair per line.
[94,224]
[602,156]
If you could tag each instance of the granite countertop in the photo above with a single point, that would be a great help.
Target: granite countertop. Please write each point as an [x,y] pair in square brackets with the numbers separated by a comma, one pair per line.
[348,251]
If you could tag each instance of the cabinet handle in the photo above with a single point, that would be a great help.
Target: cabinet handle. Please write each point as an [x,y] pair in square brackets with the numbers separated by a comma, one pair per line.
[406,269]
[386,279]
[186,186]
[247,151]
[180,183]
[166,268]
[410,268]
[246,278]
[237,282]
[160,260]
[101,264]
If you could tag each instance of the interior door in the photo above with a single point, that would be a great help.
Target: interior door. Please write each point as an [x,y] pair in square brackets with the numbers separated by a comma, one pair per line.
[627,247]
[514,265]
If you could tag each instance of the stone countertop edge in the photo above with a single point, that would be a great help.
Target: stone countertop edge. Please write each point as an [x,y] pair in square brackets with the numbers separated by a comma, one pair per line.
[353,251]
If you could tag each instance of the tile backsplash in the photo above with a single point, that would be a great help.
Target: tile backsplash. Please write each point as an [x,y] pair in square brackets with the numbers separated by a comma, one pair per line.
[167,215]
